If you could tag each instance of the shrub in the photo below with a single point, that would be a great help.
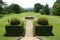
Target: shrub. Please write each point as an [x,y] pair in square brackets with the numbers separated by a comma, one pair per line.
[14,21]
[41,11]
[44,30]
[42,21]
[15,30]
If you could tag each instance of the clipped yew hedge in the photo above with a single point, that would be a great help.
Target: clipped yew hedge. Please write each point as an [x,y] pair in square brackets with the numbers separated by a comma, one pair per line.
[14,28]
[43,30]
[42,27]
[14,21]
[42,21]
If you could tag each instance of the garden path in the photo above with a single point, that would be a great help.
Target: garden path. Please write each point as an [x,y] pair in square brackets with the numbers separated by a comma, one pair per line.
[29,31]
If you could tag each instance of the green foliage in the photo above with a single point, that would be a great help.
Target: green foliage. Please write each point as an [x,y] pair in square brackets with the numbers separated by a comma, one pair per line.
[1,15]
[37,7]
[56,8]
[6,8]
[1,12]
[4,12]
[42,21]
[7,11]
[1,7]
[2,3]
[42,27]
[14,30]
[22,10]
[14,21]
[15,8]
[42,11]
[43,30]
[46,10]
[57,0]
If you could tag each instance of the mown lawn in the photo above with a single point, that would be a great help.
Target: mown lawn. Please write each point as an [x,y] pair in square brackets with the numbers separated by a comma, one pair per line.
[54,20]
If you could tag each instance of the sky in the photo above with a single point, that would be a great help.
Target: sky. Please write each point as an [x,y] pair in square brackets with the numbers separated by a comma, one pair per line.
[30,3]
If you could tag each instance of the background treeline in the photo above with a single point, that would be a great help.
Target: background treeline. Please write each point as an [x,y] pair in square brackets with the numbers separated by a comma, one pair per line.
[7,9]
[38,8]
[44,9]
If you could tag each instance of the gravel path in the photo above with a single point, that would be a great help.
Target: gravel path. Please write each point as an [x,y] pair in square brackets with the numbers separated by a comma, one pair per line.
[29,31]
[29,38]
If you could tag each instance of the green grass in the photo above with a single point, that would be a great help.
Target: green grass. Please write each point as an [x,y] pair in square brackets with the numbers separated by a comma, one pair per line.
[54,20]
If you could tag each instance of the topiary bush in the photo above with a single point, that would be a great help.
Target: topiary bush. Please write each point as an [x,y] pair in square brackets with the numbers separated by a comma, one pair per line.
[42,21]
[14,21]
[14,27]
[14,30]
[44,30]
[42,27]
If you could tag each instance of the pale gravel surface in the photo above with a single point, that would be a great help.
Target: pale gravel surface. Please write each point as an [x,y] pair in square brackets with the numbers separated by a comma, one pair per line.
[29,31]
[29,38]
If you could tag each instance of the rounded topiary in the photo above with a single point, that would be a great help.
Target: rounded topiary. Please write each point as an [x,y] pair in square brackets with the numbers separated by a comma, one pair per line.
[42,21]
[14,21]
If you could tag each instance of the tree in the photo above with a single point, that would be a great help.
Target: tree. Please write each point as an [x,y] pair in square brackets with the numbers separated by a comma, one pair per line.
[7,10]
[42,11]
[1,8]
[21,9]
[15,8]
[37,7]
[57,0]
[1,2]
[46,9]
[56,8]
